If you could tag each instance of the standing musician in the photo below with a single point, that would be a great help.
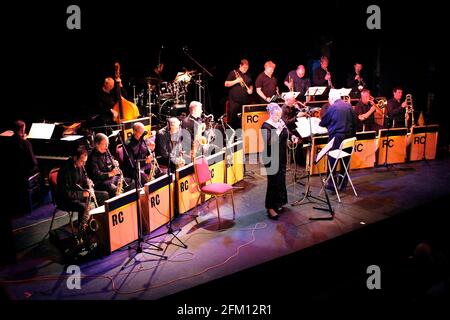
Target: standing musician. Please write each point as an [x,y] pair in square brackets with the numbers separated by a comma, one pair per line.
[266,84]
[72,179]
[396,110]
[356,81]
[169,145]
[103,170]
[365,111]
[240,84]
[322,77]
[106,100]
[291,110]
[296,81]
[137,149]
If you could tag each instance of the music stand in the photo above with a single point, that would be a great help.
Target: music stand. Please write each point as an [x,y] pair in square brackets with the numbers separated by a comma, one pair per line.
[170,229]
[387,120]
[315,91]
[307,194]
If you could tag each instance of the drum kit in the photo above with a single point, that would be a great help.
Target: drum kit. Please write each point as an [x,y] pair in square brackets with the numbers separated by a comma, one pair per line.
[164,99]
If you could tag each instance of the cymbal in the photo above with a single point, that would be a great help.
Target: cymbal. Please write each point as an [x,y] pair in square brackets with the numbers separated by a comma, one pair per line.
[148,80]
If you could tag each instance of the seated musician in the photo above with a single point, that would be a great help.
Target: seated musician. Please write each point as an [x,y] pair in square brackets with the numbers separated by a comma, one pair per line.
[365,111]
[72,184]
[169,146]
[100,167]
[194,125]
[137,151]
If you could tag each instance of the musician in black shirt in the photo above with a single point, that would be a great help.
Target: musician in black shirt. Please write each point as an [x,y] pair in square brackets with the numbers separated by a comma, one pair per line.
[169,145]
[240,84]
[107,98]
[395,110]
[296,81]
[101,170]
[365,111]
[137,149]
[266,84]
[356,81]
[322,78]
[72,183]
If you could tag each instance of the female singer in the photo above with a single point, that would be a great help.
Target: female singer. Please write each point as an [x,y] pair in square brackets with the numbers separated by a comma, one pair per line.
[275,136]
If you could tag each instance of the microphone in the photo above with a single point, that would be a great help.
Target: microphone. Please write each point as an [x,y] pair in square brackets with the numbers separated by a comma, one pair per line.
[185,48]
[143,135]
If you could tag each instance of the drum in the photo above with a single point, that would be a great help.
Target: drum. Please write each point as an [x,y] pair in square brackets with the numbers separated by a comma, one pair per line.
[166,90]
[169,108]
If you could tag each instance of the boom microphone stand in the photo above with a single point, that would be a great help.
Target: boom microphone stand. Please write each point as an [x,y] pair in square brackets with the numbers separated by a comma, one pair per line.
[199,81]
[139,249]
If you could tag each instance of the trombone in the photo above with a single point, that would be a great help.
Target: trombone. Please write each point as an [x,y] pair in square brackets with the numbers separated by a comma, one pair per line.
[409,109]
[381,103]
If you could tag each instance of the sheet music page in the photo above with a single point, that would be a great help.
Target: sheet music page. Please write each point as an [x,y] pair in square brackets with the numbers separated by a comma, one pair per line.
[325,150]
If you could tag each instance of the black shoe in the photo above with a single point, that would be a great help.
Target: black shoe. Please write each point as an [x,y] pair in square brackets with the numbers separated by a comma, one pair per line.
[280,210]
[271,216]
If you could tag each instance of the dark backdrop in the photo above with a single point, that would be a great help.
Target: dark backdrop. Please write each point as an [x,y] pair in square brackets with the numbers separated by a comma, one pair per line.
[54,73]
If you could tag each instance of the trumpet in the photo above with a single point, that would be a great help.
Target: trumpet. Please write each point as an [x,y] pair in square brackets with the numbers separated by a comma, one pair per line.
[243,84]
[330,84]
[291,84]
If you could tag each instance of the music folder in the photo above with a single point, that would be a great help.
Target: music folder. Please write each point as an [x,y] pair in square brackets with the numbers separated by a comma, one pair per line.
[325,150]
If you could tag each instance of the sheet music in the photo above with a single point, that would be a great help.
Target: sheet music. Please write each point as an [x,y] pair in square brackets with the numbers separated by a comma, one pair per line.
[315,91]
[283,94]
[114,133]
[41,131]
[71,137]
[325,150]
[303,127]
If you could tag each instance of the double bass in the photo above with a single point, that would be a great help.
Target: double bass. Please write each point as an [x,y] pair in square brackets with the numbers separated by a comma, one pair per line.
[126,110]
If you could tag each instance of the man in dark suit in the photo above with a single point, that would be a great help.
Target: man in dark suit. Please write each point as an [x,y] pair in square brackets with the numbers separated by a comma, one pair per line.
[340,120]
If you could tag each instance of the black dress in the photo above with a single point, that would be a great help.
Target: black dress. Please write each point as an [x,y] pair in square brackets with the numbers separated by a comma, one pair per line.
[276,194]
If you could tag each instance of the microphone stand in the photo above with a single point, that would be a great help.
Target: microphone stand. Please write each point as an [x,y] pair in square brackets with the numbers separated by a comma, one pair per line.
[228,147]
[170,229]
[139,249]
[199,81]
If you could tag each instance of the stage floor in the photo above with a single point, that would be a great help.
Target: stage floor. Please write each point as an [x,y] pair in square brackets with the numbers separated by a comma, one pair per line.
[248,241]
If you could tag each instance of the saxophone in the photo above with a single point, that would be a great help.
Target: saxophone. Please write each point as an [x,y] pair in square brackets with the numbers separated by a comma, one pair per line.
[115,165]
[85,224]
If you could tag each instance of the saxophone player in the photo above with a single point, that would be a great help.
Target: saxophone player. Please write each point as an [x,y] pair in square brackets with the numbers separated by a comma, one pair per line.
[102,168]
[137,150]
[169,145]
[71,177]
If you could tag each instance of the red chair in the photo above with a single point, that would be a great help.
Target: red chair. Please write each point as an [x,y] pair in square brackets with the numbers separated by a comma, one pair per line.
[215,190]
[53,180]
